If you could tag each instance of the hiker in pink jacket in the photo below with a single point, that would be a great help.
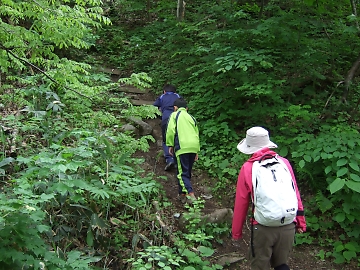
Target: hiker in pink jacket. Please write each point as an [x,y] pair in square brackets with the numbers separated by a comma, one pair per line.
[270,246]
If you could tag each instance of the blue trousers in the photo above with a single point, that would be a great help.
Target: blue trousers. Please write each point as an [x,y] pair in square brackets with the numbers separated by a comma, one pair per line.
[185,164]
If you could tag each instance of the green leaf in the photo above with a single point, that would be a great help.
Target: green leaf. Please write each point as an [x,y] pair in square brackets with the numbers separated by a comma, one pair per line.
[6,161]
[98,222]
[307,158]
[342,172]
[324,155]
[339,248]
[340,217]
[336,185]
[302,163]
[348,255]
[90,238]
[73,256]
[205,251]
[341,162]
[284,151]
[354,166]
[355,186]
[355,177]
[328,169]
[351,246]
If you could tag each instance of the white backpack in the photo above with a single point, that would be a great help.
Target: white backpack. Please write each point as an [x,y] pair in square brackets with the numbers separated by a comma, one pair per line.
[275,202]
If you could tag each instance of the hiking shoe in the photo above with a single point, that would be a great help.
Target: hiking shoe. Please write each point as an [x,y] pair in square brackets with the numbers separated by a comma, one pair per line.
[169,166]
[187,198]
[191,196]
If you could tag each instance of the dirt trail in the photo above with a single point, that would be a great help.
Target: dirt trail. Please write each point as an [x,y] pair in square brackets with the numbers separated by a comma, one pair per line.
[303,257]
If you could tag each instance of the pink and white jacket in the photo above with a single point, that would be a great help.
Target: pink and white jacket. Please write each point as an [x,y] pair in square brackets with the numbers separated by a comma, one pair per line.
[244,193]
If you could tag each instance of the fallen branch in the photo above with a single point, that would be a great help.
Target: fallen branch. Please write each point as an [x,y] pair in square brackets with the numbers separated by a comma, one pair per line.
[164,227]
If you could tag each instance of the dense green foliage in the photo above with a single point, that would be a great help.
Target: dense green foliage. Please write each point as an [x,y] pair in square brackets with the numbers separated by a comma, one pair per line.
[72,192]
[289,66]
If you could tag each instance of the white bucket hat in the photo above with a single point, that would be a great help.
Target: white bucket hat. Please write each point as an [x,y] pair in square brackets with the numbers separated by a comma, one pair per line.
[256,139]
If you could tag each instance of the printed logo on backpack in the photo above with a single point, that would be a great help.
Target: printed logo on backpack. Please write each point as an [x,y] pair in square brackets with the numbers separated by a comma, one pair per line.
[275,201]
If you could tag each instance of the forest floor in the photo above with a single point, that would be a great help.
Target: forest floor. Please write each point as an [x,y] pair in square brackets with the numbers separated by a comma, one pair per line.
[303,257]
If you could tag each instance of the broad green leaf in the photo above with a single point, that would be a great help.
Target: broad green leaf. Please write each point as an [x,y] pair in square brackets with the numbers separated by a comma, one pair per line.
[342,172]
[42,228]
[351,143]
[355,186]
[340,217]
[336,185]
[189,268]
[341,162]
[307,158]
[6,161]
[205,251]
[73,256]
[59,167]
[351,246]
[328,169]
[348,255]
[355,177]
[354,166]
[339,248]
[302,163]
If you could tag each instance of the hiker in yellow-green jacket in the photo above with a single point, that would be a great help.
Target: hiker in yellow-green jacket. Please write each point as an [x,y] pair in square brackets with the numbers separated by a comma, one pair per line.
[182,138]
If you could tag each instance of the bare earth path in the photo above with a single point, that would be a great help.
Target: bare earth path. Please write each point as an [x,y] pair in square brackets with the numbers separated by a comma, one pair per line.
[303,257]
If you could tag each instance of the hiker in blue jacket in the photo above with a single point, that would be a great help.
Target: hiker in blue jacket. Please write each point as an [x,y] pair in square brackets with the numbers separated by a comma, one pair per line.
[165,104]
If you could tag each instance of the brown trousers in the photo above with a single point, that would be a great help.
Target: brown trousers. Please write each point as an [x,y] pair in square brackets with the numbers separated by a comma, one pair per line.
[272,246]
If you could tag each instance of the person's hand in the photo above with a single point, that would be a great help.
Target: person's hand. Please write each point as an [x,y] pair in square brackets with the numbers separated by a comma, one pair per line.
[171,150]
[196,157]
[235,242]
[299,230]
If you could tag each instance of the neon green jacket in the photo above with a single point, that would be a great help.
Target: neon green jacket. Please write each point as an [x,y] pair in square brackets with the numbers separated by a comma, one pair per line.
[182,132]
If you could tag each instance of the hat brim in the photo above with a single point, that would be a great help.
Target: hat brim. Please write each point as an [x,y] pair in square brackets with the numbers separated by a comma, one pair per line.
[246,149]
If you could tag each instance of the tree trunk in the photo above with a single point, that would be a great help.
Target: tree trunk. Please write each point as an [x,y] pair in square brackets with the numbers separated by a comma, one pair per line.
[354,10]
[349,78]
[180,10]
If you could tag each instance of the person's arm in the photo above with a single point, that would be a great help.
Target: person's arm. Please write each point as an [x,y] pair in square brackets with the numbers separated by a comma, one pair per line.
[300,217]
[170,131]
[242,199]
[157,103]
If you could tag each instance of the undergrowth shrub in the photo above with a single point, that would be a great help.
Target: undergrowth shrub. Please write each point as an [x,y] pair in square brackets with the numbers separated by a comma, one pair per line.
[329,161]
